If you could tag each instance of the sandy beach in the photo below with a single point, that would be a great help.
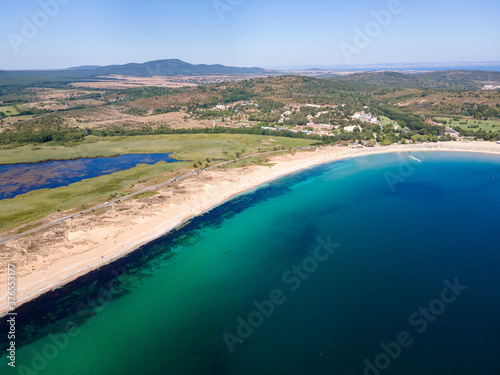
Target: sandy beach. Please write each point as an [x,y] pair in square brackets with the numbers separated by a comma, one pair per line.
[52,257]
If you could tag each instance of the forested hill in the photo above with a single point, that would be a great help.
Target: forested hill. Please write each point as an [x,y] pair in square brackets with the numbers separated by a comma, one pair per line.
[175,67]
[450,79]
[170,67]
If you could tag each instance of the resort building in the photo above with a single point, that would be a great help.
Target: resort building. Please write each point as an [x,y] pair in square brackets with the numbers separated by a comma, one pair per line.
[351,128]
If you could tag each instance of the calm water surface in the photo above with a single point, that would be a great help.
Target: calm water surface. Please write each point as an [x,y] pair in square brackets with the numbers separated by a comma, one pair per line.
[196,301]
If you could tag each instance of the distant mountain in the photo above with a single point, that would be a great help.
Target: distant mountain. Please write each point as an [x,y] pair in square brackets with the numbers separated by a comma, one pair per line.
[84,67]
[171,67]
[450,79]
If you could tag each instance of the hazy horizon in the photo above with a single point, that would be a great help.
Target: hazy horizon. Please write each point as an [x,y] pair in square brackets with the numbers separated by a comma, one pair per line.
[472,65]
[55,34]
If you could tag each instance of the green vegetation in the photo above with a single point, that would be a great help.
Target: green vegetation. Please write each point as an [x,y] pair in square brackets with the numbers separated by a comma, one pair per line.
[488,130]
[137,111]
[478,134]
[11,110]
[488,125]
[145,194]
[386,121]
[166,110]
[183,147]
[405,118]
[28,227]
[258,160]
[73,135]
[16,94]
[52,134]
[450,79]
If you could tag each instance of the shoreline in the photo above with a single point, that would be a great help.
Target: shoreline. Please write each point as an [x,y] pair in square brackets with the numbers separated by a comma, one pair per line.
[72,252]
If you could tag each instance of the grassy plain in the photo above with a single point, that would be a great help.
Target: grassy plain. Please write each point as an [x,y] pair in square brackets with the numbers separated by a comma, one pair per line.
[183,147]
[9,110]
[487,125]
[386,121]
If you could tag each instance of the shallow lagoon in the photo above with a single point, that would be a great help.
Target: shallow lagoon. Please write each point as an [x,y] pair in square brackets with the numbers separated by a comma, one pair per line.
[16,179]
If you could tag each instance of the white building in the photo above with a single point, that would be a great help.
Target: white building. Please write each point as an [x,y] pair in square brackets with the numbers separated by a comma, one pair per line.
[351,128]
[366,117]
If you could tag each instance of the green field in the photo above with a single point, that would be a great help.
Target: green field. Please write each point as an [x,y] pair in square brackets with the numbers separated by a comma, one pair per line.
[386,121]
[493,125]
[10,110]
[183,147]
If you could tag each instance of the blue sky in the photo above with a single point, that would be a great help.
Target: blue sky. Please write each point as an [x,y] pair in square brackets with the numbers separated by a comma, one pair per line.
[262,33]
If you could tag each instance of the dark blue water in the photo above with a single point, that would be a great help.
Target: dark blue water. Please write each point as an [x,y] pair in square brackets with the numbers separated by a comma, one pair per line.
[373,265]
[16,179]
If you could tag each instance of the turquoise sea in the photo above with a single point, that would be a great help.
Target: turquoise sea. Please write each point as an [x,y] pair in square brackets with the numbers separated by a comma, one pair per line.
[373,265]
